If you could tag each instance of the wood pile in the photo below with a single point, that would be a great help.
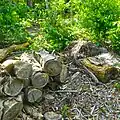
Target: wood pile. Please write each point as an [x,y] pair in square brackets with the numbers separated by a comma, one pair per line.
[23,80]
[25,77]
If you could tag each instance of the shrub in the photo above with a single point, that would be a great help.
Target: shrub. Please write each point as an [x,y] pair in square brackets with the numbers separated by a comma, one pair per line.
[98,16]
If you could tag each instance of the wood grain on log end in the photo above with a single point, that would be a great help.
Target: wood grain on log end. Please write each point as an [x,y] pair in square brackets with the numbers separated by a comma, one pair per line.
[34,95]
[40,80]
[13,87]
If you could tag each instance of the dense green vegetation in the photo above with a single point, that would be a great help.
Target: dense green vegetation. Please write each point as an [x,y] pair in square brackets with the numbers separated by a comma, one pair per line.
[57,22]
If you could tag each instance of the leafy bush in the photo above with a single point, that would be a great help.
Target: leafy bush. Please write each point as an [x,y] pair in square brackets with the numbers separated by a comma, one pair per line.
[114,37]
[98,16]
[11,23]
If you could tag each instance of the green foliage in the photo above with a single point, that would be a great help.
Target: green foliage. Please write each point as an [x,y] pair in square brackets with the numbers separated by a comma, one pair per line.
[11,28]
[60,22]
[117,86]
[98,16]
[65,111]
[114,37]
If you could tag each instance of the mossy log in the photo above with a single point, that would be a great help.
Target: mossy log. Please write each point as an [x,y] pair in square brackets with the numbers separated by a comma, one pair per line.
[8,65]
[103,72]
[7,51]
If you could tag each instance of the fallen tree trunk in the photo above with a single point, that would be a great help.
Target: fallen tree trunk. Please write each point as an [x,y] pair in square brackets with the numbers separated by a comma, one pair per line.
[103,72]
[7,51]
[49,63]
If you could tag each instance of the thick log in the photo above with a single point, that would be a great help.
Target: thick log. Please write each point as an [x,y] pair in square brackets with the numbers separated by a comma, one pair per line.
[13,87]
[7,51]
[12,107]
[23,71]
[103,72]
[49,63]
[33,94]
[39,80]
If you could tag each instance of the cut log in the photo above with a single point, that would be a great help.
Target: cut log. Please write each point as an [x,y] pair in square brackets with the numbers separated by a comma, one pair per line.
[33,95]
[103,72]
[12,108]
[23,71]
[13,87]
[2,91]
[49,63]
[39,80]
[25,57]
[7,51]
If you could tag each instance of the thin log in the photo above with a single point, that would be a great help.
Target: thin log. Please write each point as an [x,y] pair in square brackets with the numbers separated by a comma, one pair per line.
[103,72]
[13,87]
[33,95]
[49,63]
[7,51]
[39,80]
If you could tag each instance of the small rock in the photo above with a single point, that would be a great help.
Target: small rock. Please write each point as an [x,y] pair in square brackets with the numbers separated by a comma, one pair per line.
[49,97]
[52,116]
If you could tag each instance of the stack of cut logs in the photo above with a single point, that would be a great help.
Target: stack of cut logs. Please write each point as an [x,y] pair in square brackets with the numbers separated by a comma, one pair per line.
[22,80]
